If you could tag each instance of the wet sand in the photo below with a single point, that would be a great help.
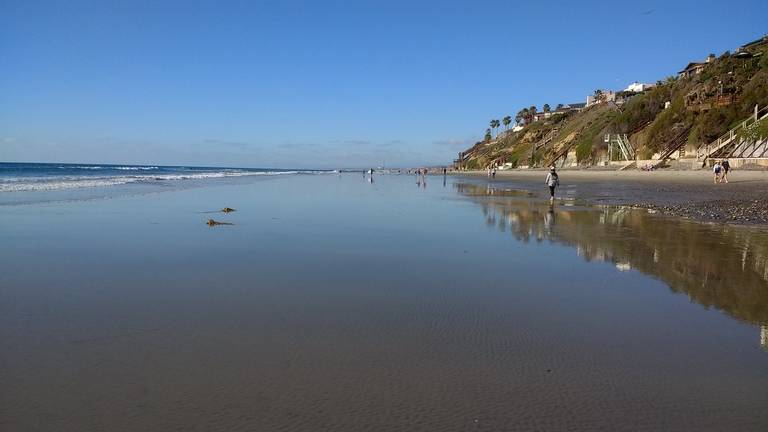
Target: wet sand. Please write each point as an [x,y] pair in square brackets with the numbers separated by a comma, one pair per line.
[339,304]
[691,194]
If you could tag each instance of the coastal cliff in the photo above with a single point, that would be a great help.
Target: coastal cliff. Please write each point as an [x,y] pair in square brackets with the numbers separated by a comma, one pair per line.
[677,118]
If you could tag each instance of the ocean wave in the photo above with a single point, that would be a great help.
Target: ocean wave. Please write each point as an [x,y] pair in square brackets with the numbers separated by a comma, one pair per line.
[98,167]
[135,168]
[87,167]
[52,183]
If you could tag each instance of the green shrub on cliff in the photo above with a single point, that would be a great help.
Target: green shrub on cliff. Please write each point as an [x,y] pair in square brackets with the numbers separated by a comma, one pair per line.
[591,137]
[707,104]
[641,109]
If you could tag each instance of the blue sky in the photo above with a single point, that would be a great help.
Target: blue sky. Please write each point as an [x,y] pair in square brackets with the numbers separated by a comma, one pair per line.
[322,84]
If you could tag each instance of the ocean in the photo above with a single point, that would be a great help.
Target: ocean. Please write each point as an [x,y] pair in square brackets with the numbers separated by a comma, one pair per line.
[24,177]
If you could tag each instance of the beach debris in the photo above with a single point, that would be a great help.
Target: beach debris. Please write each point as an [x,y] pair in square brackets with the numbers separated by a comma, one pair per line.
[212,222]
[227,210]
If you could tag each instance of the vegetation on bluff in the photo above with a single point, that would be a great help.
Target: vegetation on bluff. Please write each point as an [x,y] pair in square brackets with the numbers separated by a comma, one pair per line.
[704,105]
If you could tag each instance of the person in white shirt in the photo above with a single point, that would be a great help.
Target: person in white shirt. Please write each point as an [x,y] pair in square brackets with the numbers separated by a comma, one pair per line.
[717,169]
[553,181]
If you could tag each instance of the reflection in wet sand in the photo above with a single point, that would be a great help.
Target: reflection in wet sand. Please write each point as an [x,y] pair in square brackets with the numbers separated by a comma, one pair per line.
[764,337]
[718,266]
[335,305]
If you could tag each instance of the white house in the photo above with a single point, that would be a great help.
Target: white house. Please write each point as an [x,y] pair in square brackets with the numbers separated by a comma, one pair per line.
[637,87]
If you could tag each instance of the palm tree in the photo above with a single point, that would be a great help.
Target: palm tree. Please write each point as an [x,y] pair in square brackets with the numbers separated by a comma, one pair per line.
[506,120]
[488,136]
[494,124]
[599,96]
[559,107]
[523,115]
[546,108]
[531,113]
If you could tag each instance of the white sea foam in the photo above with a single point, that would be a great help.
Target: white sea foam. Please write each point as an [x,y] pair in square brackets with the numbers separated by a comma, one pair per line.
[98,167]
[22,184]
[134,168]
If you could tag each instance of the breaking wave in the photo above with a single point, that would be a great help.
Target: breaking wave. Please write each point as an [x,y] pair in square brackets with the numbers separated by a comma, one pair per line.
[59,182]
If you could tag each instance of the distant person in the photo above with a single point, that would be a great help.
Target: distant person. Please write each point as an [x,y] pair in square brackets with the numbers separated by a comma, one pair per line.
[726,168]
[489,172]
[493,173]
[553,181]
[445,170]
[717,170]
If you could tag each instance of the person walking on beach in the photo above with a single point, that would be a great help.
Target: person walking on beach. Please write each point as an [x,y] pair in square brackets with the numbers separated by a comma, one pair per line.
[726,167]
[716,171]
[493,173]
[553,181]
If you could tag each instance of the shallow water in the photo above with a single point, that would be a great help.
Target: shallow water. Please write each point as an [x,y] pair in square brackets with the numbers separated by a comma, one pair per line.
[338,304]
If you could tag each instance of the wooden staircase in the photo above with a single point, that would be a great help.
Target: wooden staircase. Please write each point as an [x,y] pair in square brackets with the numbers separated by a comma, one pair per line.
[672,146]
[747,149]
[731,137]
[543,143]
[563,152]
[628,165]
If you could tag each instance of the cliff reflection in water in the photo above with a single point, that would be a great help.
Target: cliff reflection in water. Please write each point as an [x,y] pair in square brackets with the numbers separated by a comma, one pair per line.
[725,267]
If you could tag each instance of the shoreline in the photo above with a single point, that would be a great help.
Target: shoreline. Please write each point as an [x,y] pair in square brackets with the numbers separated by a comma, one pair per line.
[688,194]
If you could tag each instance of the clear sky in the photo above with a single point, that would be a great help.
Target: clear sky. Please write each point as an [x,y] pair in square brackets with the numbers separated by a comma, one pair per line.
[322,83]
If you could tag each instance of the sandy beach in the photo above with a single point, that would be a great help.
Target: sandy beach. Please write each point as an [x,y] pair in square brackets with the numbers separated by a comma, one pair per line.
[341,303]
[691,194]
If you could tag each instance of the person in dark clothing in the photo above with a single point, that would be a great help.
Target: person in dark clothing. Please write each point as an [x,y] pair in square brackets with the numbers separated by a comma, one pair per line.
[726,168]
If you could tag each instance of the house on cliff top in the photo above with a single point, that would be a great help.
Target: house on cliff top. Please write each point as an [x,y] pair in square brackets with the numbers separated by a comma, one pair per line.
[755,43]
[695,68]
[637,87]
[601,96]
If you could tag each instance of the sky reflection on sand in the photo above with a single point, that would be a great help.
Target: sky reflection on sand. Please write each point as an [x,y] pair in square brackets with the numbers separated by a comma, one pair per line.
[335,303]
